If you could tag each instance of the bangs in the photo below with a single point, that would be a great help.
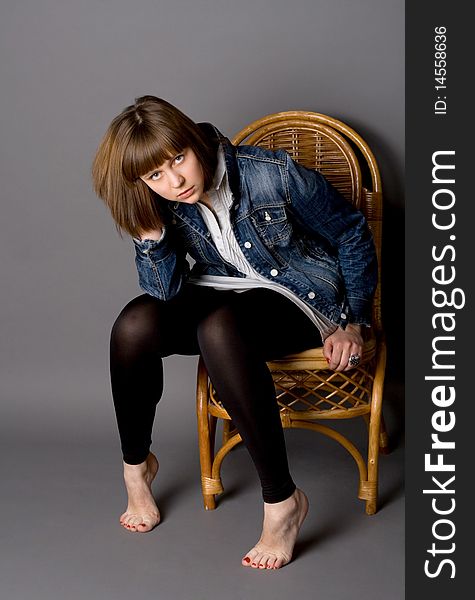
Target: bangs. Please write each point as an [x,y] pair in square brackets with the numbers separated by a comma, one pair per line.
[148,149]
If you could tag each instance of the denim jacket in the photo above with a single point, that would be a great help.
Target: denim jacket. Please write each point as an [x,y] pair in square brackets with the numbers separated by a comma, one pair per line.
[293,227]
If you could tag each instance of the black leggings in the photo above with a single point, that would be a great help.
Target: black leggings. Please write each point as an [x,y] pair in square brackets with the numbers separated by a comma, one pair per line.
[236,333]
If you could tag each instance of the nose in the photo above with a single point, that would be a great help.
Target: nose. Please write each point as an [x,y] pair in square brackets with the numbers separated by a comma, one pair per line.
[176,180]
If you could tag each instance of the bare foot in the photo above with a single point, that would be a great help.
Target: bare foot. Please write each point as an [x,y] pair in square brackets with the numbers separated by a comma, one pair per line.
[142,513]
[282,522]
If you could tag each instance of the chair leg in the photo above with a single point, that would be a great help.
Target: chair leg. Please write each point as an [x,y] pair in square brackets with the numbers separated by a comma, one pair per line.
[206,432]
[374,434]
[212,432]
[384,447]
[371,485]
[227,426]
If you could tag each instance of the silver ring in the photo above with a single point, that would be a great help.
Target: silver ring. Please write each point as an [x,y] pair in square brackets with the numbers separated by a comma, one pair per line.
[354,360]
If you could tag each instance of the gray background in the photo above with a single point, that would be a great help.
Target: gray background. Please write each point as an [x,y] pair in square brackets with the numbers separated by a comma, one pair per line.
[67,69]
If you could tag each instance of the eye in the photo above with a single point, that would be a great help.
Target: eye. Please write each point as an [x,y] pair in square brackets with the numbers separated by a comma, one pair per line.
[155,176]
[179,159]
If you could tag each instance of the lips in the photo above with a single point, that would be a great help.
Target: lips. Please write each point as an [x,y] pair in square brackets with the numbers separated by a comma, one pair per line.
[187,193]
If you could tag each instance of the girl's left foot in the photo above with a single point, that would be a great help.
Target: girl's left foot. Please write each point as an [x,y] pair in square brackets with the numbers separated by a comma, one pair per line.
[282,522]
[142,513]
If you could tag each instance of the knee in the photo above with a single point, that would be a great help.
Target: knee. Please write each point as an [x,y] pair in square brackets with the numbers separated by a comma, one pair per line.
[211,329]
[136,322]
[220,328]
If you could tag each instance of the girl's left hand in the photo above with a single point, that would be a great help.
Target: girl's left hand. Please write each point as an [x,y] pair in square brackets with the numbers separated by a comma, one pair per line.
[341,344]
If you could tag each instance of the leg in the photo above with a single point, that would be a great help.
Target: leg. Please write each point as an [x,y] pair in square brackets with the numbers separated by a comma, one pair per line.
[145,331]
[235,345]
[134,356]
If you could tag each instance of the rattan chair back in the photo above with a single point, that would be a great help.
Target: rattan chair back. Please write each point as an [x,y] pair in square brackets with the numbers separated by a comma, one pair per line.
[320,142]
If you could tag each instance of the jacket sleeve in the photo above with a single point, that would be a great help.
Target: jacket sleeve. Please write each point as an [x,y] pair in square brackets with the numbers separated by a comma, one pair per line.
[321,210]
[161,265]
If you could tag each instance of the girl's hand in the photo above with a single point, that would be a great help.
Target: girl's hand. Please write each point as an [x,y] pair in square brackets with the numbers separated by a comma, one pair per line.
[340,345]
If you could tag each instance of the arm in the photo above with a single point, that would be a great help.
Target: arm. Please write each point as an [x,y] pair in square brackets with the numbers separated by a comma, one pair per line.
[161,263]
[320,210]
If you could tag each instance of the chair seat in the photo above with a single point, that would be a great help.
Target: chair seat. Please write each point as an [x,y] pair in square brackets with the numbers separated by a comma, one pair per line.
[307,390]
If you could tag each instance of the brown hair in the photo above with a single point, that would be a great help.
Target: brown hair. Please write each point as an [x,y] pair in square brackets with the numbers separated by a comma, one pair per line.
[141,138]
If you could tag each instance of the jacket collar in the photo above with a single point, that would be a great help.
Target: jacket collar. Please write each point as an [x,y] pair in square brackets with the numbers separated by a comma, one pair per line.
[229,150]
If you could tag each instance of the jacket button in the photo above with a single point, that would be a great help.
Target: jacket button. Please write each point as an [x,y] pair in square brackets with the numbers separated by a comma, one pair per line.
[247,245]
[267,216]
[343,315]
[274,272]
[311,295]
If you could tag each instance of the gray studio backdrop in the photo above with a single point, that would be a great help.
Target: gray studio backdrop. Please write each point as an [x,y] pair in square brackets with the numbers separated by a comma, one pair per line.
[66,69]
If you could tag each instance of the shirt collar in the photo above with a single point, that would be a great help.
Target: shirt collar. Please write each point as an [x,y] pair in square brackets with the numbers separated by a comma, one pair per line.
[220,170]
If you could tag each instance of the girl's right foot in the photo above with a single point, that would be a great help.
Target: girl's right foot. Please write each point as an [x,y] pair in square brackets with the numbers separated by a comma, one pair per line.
[142,513]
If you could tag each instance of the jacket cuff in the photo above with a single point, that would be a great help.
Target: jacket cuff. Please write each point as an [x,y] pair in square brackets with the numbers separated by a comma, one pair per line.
[146,247]
[360,311]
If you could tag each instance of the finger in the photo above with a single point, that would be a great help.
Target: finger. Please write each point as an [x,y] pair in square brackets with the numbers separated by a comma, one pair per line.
[347,351]
[335,358]
[327,350]
[356,350]
[344,358]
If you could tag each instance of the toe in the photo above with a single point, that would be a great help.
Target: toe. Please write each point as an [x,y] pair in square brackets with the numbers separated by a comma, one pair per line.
[248,558]
[129,522]
[144,526]
[136,522]
[263,561]
[256,560]
[271,562]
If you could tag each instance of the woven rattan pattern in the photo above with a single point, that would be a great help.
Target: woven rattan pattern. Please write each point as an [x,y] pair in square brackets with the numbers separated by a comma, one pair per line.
[318,394]
[315,149]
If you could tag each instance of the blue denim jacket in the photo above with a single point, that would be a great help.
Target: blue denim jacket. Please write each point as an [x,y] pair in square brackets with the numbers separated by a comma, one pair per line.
[293,227]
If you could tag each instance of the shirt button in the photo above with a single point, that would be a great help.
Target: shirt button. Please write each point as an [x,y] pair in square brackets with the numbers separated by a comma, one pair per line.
[274,272]
[343,315]
[247,245]
[311,295]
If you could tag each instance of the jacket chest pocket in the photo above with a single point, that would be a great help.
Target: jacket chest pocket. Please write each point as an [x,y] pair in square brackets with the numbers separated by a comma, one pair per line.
[192,241]
[273,225]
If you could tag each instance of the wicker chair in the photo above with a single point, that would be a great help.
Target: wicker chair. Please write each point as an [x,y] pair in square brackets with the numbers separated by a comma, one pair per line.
[306,389]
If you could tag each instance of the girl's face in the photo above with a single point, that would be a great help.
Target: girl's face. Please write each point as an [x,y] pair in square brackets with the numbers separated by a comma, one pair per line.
[179,179]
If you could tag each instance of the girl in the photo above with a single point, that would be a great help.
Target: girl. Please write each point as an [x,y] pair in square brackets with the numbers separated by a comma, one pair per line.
[282,263]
